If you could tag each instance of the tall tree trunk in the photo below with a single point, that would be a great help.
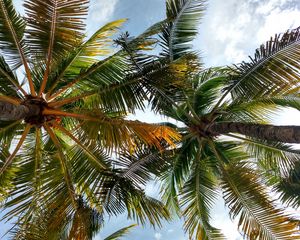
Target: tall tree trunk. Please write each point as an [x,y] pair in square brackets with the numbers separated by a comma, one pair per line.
[10,112]
[287,134]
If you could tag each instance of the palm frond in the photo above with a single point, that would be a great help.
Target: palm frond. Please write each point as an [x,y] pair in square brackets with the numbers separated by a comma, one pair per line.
[174,178]
[9,84]
[246,197]
[6,178]
[54,27]
[123,196]
[153,30]
[86,222]
[9,160]
[289,187]
[116,132]
[120,233]
[12,27]
[184,17]
[197,197]
[64,165]
[24,199]
[12,30]
[9,130]
[79,143]
[207,89]
[83,224]
[84,56]
[261,111]
[275,158]
[273,70]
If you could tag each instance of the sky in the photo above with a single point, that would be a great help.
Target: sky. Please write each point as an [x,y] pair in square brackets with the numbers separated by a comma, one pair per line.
[230,31]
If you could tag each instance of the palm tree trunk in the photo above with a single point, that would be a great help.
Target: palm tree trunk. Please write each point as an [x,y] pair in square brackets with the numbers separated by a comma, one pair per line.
[286,134]
[11,112]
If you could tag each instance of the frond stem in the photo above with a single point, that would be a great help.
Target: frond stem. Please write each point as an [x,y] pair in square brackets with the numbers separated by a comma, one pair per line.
[3,72]
[11,100]
[50,48]
[20,143]
[68,114]
[20,50]
[78,142]
[67,174]
[61,103]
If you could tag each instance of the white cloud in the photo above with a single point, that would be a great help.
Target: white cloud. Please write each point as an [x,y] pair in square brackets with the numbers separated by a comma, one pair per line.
[233,29]
[101,12]
[157,236]
[278,21]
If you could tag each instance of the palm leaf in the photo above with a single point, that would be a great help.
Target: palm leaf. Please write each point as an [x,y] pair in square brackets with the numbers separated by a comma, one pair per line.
[24,199]
[120,233]
[86,222]
[289,187]
[138,41]
[207,89]
[122,195]
[174,178]
[6,179]
[247,199]
[12,27]
[273,70]
[9,84]
[84,55]
[11,34]
[9,130]
[180,31]
[54,26]
[19,144]
[115,132]
[83,224]
[197,197]
[64,166]
[278,158]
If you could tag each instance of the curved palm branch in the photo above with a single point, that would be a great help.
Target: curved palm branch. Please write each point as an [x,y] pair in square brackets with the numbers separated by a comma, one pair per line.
[120,233]
[245,196]
[288,187]
[273,71]
[180,31]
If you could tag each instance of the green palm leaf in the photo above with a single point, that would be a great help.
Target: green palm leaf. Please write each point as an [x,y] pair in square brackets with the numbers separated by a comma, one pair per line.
[7,177]
[289,186]
[273,70]
[84,56]
[12,27]
[25,196]
[247,199]
[180,31]
[54,25]
[47,223]
[197,197]
[120,233]
[9,84]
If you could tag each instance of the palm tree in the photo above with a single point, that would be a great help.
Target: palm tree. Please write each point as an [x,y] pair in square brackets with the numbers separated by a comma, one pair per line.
[67,149]
[229,147]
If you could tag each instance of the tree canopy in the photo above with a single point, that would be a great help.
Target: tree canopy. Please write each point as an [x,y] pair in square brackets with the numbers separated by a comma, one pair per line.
[70,156]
